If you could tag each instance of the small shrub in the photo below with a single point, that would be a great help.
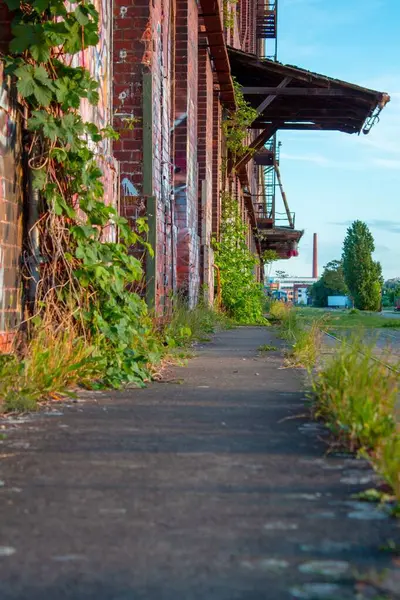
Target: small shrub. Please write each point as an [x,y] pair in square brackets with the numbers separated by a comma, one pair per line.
[354,311]
[278,310]
[356,395]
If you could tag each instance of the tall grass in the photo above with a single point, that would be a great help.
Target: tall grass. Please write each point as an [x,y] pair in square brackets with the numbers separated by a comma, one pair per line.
[357,395]
[386,461]
[53,364]
[304,338]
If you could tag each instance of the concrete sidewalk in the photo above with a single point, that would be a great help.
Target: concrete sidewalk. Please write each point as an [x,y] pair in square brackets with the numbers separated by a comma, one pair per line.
[211,486]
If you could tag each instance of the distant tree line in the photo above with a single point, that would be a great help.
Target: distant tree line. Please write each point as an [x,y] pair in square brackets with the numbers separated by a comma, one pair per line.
[356,275]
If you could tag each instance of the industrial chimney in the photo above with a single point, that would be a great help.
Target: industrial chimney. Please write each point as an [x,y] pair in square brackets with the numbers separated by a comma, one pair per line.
[315,257]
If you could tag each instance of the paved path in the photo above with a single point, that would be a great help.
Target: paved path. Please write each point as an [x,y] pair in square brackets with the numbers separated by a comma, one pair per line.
[197,489]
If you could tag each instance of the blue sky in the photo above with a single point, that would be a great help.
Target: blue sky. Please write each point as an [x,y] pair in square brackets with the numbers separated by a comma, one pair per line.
[334,178]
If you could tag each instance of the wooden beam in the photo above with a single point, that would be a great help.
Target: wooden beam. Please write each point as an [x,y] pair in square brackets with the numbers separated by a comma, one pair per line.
[257,144]
[272,97]
[297,91]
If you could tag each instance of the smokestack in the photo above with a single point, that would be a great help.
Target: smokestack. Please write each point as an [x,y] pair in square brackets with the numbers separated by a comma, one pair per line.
[315,257]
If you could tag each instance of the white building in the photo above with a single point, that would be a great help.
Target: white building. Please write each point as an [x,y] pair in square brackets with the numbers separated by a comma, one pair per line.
[295,287]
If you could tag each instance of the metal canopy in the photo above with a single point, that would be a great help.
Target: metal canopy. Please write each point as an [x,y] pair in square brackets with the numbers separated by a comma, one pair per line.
[290,97]
[279,239]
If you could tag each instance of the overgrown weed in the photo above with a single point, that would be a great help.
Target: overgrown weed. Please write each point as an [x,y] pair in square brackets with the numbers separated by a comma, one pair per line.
[306,347]
[53,364]
[356,395]
[277,310]
[304,339]
[386,461]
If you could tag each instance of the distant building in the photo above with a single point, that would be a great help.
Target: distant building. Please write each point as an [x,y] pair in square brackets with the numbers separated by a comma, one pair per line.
[295,288]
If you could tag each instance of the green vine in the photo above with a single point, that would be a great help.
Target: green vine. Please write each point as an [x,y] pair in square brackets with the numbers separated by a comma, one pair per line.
[242,296]
[84,277]
[235,126]
[229,14]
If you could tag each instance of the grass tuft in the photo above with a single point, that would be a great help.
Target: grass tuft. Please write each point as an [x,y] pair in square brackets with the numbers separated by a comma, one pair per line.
[267,348]
[53,364]
[185,325]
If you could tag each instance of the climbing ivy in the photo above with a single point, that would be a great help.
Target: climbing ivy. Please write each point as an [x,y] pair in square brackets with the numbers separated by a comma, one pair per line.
[228,13]
[242,296]
[82,273]
[235,125]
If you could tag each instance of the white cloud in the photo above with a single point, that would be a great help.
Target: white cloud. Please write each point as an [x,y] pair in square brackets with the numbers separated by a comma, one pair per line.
[323,161]
[387,163]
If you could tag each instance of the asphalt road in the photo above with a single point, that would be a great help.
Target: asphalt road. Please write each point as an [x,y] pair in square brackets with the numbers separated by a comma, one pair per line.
[210,486]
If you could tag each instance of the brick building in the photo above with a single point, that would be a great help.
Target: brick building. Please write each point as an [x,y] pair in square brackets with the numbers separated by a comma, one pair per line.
[165,69]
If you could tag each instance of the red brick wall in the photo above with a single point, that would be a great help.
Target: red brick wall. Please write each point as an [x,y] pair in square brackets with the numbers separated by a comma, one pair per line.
[143,44]
[186,180]
[11,200]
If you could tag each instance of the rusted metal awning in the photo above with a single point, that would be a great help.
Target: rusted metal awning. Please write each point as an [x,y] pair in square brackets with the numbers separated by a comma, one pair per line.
[212,15]
[288,97]
[280,239]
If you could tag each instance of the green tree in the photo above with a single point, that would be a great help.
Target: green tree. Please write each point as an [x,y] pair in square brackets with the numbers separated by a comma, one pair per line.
[281,274]
[331,283]
[362,274]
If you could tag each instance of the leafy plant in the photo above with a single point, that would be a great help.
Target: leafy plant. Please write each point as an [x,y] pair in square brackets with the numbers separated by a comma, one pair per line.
[82,271]
[235,125]
[242,296]
[228,13]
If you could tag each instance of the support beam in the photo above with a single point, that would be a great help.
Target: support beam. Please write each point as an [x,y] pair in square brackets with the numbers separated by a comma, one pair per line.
[298,91]
[309,127]
[283,194]
[272,97]
[257,144]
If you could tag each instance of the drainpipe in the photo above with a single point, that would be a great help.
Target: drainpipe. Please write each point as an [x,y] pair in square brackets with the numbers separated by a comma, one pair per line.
[32,238]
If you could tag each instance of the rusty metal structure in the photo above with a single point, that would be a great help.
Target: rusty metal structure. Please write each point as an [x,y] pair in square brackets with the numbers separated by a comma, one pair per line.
[288,97]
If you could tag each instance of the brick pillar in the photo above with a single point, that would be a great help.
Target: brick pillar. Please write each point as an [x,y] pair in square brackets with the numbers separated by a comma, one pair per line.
[216,165]
[11,199]
[185,181]
[132,55]
[205,157]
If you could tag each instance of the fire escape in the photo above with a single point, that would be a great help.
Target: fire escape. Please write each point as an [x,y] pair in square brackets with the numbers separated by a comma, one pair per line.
[270,181]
